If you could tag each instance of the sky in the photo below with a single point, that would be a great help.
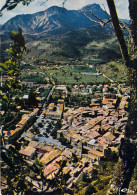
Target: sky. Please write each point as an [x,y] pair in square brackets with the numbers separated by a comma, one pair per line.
[41,5]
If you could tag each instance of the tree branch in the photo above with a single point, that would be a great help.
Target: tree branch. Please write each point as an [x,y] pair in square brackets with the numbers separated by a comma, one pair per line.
[64,3]
[119,32]
[108,16]
[11,4]
[123,25]
[100,21]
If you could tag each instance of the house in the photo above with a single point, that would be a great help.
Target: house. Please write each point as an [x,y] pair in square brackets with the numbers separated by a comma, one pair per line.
[124,103]
[51,107]
[28,153]
[66,170]
[26,119]
[40,101]
[60,101]
[89,157]
[91,143]
[109,101]
[55,112]
[93,154]
[76,142]
[93,134]
[23,122]
[12,132]
[95,145]
[105,128]
[102,145]
[105,89]
[49,157]
[18,107]
[52,167]
[75,172]
[43,148]
[67,153]
[88,169]
[123,120]
[28,84]
[25,97]
[29,136]
[33,144]
[118,140]
[109,137]
[3,182]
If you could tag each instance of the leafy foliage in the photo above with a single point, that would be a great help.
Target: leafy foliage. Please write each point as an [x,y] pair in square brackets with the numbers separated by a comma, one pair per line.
[11,4]
[78,100]
[15,172]
[12,69]
[127,150]
[110,155]
[56,128]
[90,190]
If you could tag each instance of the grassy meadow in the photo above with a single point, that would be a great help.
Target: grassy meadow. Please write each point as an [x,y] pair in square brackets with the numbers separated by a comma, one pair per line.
[63,75]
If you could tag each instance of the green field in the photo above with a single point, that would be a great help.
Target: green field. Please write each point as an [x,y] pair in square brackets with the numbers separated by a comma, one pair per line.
[116,70]
[72,75]
[63,75]
[84,69]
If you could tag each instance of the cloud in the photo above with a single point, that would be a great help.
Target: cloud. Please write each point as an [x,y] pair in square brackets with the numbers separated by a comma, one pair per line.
[41,5]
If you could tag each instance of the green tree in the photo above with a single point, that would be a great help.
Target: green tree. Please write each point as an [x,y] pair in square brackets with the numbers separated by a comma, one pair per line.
[32,101]
[94,174]
[58,125]
[15,171]
[58,183]
[110,155]
[11,69]
[90,190]
[56,128]
[37,168]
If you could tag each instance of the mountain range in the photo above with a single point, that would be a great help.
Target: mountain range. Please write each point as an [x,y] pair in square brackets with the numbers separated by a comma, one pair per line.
[54,20]
[58,35]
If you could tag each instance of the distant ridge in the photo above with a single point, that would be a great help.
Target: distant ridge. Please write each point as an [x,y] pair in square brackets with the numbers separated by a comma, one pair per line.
[54,20]
[58,35]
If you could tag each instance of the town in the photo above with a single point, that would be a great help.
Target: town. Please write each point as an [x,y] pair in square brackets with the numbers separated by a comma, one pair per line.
[54,127]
